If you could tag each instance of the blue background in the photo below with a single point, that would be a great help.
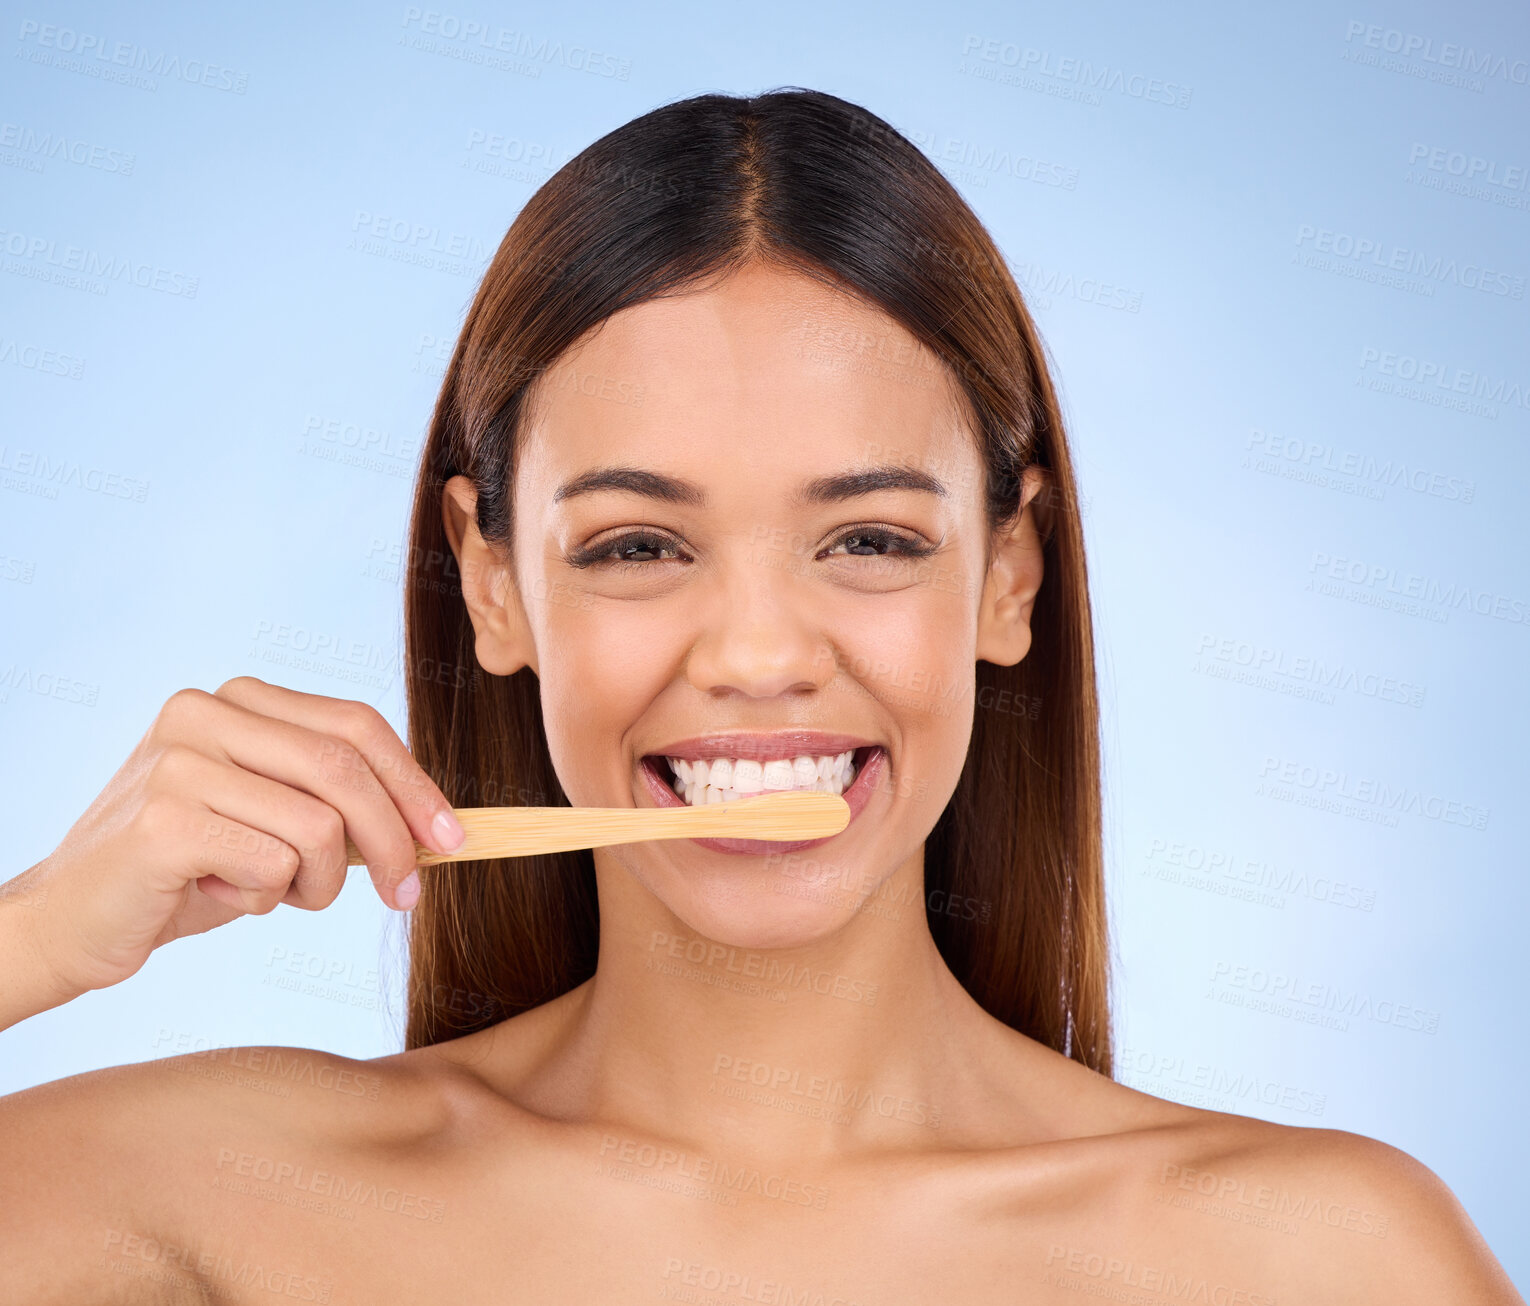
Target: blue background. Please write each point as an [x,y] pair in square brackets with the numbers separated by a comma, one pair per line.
[208,473]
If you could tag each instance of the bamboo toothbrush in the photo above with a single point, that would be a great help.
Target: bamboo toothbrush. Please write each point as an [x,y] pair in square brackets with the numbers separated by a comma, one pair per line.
[526,831]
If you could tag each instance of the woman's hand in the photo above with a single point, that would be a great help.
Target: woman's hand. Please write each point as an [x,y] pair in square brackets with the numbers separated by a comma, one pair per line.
[231,803]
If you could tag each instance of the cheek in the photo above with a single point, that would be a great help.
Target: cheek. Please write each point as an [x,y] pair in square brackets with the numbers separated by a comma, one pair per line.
[601,668]
[916,653]
[919,662]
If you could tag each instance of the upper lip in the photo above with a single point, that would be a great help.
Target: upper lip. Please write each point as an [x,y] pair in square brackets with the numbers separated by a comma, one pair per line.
[763,747]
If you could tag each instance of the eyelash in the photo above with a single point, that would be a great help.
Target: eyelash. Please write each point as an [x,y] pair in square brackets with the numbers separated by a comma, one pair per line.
[908,546]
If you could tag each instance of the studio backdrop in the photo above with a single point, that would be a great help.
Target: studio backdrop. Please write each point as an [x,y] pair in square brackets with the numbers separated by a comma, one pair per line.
[1279,259]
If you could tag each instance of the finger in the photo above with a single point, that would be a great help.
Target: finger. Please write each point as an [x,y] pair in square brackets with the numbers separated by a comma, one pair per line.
[330,769]
[279,812]
[240,866]
[419,800]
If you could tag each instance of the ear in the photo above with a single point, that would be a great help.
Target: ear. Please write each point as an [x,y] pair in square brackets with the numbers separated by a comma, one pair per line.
[1014,576]
[504,644]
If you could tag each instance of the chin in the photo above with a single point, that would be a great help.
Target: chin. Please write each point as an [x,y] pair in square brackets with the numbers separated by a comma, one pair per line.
[766,910]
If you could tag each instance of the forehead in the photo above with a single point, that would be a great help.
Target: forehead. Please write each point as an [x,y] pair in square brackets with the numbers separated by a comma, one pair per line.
[769,373]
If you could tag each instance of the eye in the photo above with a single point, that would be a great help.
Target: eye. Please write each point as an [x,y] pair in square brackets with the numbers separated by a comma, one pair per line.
[871,537]
[861,542]
[616,551]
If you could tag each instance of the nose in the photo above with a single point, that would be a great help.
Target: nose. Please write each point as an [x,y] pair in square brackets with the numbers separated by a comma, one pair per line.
[761,636]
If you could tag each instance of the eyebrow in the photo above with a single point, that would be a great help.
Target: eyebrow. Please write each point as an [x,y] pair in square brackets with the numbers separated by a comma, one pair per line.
[820,490]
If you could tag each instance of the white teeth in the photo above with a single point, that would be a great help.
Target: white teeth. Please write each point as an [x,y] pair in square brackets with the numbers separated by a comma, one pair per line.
[748,776]
[777,774]
[723,779]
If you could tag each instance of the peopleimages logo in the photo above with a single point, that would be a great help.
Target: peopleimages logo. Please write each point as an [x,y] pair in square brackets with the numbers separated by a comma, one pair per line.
[1280,987]
[1470,176]
[1079,72]
[68,149]
[81,46]
[1328,785]
[1443,54]
[469,37]
[1413,262]
[1469,167]
[707,1171]
[1424,376]
[983,158]
[1349,470]
[45,252]
[45,474]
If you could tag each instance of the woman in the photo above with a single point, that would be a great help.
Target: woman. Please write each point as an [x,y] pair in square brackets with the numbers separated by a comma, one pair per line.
[747,470]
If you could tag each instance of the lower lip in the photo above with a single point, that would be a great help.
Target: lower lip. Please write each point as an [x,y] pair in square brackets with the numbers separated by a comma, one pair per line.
[857,796]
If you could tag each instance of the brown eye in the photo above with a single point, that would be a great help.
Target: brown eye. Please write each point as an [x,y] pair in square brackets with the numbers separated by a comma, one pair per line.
[880,541]
[620,551]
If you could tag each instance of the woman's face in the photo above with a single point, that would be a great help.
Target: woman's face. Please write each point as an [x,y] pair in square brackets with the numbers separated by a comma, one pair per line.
[741,580]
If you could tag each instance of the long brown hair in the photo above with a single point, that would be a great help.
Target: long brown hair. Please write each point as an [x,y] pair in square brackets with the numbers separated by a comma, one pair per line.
[694,189]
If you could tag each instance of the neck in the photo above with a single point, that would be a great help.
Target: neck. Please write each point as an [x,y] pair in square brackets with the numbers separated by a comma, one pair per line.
[859,1038]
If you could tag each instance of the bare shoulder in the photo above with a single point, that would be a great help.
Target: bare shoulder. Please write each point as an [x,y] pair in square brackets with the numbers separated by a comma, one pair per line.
[103,1165]
[1132,1192]
[1312,1213]
[1422,1246]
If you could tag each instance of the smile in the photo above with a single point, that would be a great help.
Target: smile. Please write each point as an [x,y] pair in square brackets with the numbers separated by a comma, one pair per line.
[674,781]
[725,779]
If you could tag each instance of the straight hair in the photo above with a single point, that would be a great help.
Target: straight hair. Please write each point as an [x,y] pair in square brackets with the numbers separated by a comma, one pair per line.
[695,190]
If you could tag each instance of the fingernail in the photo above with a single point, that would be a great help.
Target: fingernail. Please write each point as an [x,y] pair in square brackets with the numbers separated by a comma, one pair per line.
[408,892]
[447,830]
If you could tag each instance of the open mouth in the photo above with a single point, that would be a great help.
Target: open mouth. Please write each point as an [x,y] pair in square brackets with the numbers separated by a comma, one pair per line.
[729,780]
